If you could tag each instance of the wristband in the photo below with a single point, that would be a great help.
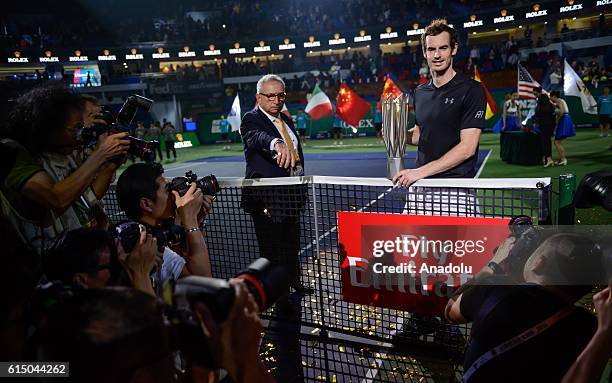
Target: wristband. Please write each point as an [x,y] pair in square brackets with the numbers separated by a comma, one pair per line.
[192,229]
[495,267]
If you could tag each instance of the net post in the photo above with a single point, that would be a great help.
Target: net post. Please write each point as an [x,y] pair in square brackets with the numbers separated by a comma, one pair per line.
[567,188]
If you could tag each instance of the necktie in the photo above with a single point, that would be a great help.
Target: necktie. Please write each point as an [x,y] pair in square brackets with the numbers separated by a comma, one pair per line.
[287,138]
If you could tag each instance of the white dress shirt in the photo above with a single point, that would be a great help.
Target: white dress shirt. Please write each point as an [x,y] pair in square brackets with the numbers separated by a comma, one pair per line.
[289,131]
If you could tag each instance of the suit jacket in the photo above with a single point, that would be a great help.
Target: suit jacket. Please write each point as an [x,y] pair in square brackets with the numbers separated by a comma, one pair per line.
[278,203]
[257,132]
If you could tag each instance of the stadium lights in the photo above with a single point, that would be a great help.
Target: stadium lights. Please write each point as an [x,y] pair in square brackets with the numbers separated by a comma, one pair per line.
[311,43]
[505,17]
[224,26]
[389,34]
[17,58]
[415,30]
[472,23]
[236,50]
[77,57]
[186,52]
[286,45]
[160,54]
[48,58]
[337,40]
[537,12]
[212,51]
[106,56]
[262,47]
[362,37]
[134,55]
[570,7]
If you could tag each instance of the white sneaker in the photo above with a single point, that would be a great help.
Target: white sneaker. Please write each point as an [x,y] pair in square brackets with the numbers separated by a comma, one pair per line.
[335,142]
[341,143]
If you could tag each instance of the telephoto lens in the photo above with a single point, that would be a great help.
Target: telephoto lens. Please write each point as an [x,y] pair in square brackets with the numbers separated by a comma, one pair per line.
[208,184]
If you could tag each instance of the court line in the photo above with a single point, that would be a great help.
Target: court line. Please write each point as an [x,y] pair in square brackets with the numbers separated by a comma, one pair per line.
[482,166]
[335,228]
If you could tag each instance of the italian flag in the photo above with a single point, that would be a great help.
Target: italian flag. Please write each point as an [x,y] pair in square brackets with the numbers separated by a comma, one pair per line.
[318,104]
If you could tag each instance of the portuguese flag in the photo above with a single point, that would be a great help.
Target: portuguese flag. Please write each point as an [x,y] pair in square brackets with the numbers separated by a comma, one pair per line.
[318,104]
[491,105]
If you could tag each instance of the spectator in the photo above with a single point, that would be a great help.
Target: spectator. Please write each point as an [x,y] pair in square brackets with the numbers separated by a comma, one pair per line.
[565,29]
[604,107]
[555,79]
[140,130]
[155,133]
[168,131]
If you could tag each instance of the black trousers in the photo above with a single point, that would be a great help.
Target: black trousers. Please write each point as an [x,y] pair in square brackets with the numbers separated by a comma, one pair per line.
[159,152]
[546,133]
[170,146]
[279,242]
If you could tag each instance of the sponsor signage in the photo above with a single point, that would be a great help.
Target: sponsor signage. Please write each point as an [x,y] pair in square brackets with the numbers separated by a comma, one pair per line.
[410,262]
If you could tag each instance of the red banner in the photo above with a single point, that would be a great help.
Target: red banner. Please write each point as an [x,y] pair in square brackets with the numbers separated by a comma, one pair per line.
[407,262]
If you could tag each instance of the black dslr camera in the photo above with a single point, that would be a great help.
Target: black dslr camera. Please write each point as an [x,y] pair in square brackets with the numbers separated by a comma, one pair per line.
[128,234]
[265,281]
[207,184]
[527,238]
[145,150]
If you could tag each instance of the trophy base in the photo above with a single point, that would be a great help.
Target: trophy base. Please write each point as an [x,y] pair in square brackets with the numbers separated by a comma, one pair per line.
[394,165]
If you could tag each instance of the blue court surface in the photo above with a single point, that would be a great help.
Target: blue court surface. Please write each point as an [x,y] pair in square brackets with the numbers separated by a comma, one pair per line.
[369,164]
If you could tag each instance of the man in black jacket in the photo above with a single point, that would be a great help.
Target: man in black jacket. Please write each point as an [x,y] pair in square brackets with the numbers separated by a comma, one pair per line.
[272,149]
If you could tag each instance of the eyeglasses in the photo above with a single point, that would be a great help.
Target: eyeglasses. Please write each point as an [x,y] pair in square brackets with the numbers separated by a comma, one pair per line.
[271,96]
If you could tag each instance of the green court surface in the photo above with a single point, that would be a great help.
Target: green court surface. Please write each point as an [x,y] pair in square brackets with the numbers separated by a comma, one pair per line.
[587,152]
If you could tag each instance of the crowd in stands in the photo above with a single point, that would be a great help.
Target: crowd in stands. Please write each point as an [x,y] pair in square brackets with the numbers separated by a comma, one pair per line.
[186,21]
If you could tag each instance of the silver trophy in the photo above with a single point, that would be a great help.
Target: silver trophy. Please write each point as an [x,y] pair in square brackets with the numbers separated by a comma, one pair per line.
[395,131]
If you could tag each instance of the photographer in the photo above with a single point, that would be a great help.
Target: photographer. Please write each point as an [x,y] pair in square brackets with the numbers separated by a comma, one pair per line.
[120,335]
[143,195]
[89,258]
[45,192]
[530,331]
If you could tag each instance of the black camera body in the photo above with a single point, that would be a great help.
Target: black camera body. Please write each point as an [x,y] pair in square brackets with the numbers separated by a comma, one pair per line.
[208,184]
[527,238]
[266,281]
[128,234]
[145,150]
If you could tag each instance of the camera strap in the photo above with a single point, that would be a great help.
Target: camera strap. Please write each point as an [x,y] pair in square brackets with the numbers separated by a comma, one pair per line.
[517,340]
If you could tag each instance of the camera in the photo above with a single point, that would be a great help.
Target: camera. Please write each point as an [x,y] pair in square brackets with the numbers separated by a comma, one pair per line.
[207,184]
[267,282]
[527,238]
[145,150]
[128,234]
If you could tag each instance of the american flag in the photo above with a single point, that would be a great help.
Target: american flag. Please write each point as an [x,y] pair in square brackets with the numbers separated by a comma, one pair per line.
[526,83]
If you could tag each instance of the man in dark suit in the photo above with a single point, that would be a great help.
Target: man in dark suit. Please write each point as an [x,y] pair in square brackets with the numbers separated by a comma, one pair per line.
[272,149]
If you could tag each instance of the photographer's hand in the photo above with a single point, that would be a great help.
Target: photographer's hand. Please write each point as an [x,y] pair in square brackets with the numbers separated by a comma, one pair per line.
[238,337]
[111,146]
[207,205]
[188,207]
[140,262]
[592,361]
